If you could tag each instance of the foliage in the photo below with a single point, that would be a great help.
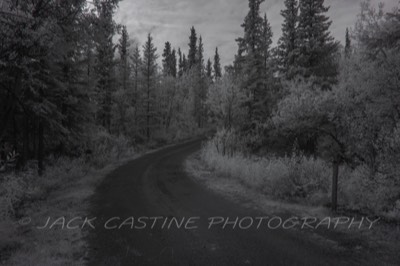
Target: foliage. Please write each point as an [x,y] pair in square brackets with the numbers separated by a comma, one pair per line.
[225,101]
[356,121]
[292,178]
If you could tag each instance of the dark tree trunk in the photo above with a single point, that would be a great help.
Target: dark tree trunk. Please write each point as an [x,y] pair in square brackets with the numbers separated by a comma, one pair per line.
[335,177]
[25,152]
[40,148]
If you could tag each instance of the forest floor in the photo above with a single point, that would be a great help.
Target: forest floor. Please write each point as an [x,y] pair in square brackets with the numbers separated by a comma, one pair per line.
[381,239]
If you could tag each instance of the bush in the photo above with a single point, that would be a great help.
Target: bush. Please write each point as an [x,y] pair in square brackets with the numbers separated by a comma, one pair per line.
[12,190]
[378,194]
[295,177]
[228,142]
[106,147]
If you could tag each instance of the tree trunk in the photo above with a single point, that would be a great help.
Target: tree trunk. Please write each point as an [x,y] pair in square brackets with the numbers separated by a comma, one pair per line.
[148,109]
[335,177]
[25,152]
[40,148]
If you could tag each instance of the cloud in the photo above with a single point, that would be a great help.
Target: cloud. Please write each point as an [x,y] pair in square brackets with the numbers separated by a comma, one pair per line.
[218,21]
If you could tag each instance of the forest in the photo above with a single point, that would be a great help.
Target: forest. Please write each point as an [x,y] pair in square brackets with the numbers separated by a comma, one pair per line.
[308,119]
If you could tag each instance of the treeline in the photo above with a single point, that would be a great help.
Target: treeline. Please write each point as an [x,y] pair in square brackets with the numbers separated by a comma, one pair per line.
[64,80]
[305,50]
[340,103]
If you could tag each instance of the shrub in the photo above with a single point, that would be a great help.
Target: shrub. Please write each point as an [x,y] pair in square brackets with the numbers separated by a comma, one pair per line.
[106,147]
[295,177]
[228,142]
[377,193]
[11,193]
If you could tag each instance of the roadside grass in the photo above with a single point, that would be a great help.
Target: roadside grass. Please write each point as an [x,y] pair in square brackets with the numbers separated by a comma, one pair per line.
[27,200]
[383,238]
[57,246]
[301,179]
[295,178]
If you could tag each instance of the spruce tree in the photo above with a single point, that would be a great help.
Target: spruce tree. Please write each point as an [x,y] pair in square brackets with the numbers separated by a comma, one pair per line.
[251,46]
[347,49]
[217,65]
[124,58]
[136,74]
[180,63]
[105,62]
[266,48]
[191,60]
[200,57]
[167,59]
[316,47]
[185,63]
[149,70]
[287,43]
[173,63]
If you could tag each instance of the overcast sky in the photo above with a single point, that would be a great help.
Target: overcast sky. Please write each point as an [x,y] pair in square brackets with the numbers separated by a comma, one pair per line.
[218,21]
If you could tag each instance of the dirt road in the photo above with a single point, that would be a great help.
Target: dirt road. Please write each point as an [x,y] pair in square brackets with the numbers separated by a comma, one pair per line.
[131,198]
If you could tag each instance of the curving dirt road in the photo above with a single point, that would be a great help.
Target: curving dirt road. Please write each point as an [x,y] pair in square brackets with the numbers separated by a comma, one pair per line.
[156,185]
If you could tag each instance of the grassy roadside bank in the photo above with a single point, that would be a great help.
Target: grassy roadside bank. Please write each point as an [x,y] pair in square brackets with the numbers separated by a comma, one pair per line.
[63,191]
[225,179]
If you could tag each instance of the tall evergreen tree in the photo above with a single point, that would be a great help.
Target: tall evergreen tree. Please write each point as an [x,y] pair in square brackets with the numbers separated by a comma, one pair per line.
[185,64]
[105,61]
[173,64]
[124,58]
[192,56]
[200,84]
[149,70]
[217,65]
[200,57]
[238,62]
[287,43]
[251,45]
[167,59]
[180,63]
[316,47]
[347,49]
[136,74]
[267,42]
[267,66]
